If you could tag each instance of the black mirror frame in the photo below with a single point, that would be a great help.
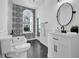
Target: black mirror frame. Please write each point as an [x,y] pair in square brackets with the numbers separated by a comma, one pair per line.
[73,12]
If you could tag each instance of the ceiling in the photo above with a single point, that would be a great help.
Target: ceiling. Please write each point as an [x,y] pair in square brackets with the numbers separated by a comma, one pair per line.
[29,3]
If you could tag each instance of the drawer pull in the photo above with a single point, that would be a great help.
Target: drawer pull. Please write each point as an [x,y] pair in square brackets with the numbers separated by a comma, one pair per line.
[55,38]
[55,48]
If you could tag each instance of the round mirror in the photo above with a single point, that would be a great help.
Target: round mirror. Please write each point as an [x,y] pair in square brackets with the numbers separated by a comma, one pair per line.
[65,14]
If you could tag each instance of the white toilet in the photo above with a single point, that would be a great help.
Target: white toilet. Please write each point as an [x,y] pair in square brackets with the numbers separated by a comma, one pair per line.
[16,47]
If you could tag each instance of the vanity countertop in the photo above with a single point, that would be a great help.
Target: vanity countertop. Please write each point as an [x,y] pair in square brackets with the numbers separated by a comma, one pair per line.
[69,34]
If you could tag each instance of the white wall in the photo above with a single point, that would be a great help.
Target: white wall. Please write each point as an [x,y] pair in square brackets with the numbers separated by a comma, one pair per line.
[3,17]
[9,16]
[48,11]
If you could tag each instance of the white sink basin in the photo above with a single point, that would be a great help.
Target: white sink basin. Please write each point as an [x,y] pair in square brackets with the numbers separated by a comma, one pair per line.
[21,46]
[14,46]
[19,50]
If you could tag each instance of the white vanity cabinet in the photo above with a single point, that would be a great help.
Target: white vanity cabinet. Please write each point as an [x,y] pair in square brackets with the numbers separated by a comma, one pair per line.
[63,45]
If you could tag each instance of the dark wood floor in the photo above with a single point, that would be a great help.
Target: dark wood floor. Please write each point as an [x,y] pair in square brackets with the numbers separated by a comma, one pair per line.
[37,50]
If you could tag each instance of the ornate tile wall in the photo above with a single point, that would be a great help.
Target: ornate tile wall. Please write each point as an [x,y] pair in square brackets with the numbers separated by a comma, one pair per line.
[17,12]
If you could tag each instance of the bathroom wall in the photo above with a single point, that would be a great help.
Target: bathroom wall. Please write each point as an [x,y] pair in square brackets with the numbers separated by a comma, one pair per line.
[6,12]
[9,16]
[30,4]
[3,17]
[48,12]
[23,4]
[17,20]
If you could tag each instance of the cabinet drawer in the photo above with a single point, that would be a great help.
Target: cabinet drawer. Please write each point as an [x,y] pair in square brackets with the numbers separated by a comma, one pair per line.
[62,40]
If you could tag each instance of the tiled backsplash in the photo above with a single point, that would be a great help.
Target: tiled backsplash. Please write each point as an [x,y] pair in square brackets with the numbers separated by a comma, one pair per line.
[17,21]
